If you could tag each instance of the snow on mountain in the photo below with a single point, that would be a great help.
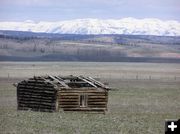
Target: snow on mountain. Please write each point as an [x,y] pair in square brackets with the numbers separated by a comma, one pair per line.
[149,26]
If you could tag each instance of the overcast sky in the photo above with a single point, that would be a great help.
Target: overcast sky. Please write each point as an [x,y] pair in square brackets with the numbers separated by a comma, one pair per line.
[55,10]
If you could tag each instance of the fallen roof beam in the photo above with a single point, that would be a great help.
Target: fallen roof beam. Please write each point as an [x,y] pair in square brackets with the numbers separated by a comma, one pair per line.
[59,81]
[89,82]
[96,82]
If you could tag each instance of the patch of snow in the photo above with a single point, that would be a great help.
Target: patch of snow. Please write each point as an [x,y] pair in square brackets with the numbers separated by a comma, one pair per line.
[132,26]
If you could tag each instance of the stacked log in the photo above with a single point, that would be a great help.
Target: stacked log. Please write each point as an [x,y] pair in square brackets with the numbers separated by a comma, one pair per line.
[96,100]
[36,94]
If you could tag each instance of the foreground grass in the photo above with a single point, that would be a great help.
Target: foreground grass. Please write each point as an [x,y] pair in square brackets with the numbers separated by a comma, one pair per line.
[70,123]
[134,107]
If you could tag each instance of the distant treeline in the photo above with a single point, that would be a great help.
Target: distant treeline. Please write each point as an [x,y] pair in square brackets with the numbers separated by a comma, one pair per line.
[63,57]
[28,46]
[115,38]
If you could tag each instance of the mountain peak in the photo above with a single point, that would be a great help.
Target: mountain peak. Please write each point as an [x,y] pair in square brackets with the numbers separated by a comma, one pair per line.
[131,26]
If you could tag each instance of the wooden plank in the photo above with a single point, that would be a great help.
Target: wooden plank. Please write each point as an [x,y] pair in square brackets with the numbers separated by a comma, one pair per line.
[69,94]
[29,92]
[68,100]
[36,87]
[42,109]
[107,99]
[36,96]
[68,103]
[59,81]
[76,99]
[97,97]
[68,97]
[32,79]
[37,100]
[36,91]
[43,105]
[38,83]
[90,83]
[68,106]
[70,77]
[96,82]
[83,91]
[96,106]
[36,105]
[43,96]
[84,109]
[49,81]
[92,94]
[96,103]
[35,81]
[36,109]
[78,82]
[100,95]
[89,94]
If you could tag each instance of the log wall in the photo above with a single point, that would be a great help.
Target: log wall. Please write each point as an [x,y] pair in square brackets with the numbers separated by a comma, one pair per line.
[69,100]
[36,95]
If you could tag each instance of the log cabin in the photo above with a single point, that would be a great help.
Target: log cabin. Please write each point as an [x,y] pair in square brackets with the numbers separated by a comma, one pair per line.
[67,93]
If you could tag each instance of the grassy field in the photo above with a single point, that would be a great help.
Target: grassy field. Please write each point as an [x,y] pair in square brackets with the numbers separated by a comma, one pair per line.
[143,96]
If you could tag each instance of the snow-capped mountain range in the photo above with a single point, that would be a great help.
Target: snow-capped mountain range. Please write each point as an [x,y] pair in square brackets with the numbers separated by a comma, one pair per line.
[130,26]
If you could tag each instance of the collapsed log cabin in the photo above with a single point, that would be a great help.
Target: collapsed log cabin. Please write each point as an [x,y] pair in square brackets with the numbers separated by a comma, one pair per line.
[67,93]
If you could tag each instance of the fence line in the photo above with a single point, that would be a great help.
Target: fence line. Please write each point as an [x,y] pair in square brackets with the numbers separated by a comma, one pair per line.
[122,77]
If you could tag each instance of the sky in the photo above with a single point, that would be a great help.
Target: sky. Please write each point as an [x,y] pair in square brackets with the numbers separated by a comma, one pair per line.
[58,10]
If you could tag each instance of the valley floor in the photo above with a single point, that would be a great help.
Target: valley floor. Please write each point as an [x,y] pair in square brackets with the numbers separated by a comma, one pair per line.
[143,95]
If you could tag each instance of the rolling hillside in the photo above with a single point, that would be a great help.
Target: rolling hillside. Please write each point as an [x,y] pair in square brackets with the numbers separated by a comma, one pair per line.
[28,46]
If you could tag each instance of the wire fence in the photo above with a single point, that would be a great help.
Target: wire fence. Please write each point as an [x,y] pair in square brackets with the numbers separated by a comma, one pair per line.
[107,76]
